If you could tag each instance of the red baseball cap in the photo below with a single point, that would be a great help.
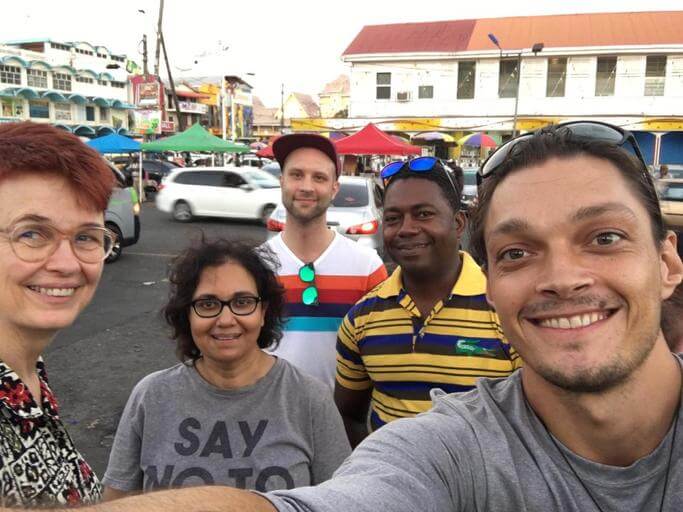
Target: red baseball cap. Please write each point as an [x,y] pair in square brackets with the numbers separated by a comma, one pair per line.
[284,145]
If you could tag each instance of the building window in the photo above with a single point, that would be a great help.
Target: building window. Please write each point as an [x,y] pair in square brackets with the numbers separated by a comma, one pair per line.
[58,46]
[61,81]
[36,78]
[39,109]
[604,76]
[466,73]
[507,78]
[84,80]
[655,74]
[10,75]
[557,75]
[102,82]
[104,114]
[62,111]
[89,113]
[425,92]
[118,85]
[383,86]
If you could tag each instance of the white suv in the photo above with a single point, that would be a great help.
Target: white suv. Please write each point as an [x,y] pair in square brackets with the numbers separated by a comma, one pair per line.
[238,192]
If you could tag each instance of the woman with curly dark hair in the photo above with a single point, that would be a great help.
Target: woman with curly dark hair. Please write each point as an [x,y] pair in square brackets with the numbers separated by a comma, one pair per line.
[229,413]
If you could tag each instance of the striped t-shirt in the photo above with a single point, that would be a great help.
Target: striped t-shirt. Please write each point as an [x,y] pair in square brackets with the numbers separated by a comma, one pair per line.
[385,343]
[343,274]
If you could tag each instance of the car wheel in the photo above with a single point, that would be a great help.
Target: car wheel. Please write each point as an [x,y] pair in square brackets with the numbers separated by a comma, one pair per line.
[265,213]
[118,248]
[182,212]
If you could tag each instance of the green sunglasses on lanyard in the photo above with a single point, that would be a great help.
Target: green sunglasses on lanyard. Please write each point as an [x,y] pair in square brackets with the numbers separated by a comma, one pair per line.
[310,294]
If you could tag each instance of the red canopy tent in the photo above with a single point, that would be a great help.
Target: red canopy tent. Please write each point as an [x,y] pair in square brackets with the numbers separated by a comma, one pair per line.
[267,152]
[373,141]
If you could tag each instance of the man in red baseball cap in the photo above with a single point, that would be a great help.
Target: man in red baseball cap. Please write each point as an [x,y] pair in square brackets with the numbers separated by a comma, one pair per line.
[324,273]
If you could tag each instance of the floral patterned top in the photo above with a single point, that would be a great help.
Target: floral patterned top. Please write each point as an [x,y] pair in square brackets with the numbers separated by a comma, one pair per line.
[39,465]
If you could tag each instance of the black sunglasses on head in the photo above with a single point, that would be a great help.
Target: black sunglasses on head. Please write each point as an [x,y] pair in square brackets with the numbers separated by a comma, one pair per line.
[588,130]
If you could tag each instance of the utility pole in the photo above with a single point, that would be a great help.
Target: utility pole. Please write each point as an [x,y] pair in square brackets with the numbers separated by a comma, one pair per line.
[156,55]
[145,69]
[181,121]
[282,109]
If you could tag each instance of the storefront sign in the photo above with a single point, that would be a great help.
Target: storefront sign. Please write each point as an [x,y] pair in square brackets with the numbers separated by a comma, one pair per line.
[147,121]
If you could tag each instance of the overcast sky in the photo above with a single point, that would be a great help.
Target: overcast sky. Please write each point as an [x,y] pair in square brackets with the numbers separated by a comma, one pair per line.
[295,43]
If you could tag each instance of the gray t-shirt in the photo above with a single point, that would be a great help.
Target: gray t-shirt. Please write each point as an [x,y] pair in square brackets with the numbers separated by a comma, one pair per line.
[485,450]
[178,430]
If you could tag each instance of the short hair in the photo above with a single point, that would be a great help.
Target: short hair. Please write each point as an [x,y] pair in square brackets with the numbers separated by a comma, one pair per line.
[672,319]
[184,275]
[436,175]
[41,148]
[559,142]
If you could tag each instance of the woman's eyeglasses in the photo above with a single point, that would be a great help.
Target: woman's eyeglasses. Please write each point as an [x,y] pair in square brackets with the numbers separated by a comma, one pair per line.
[421,164]
[309,296]
[37,242]
[210,307]
[588,130]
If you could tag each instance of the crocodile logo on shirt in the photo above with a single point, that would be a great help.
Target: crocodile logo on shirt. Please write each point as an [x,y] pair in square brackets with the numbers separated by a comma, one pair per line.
[472,347]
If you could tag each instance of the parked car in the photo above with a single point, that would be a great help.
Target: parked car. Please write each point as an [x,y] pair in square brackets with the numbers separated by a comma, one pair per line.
[675,172]
[469,189]
[155,171]
[238,192]
[671,202]
[355,212]
[122,215]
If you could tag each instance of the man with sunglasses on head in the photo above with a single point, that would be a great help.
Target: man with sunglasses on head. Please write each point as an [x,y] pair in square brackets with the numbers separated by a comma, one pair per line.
[428,326]
[323,272]
[578,264]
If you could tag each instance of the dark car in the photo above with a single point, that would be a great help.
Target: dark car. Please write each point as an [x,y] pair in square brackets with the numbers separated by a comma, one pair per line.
[155,171]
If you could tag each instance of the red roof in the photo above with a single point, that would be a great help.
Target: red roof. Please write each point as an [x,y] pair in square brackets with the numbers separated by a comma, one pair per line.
[557,31]
[373,141]
[190,94]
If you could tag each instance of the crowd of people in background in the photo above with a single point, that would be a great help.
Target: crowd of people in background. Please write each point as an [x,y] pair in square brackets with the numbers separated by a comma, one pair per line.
[499,380]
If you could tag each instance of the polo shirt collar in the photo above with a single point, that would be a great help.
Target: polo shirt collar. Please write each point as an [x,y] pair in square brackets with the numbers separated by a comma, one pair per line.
[471,281]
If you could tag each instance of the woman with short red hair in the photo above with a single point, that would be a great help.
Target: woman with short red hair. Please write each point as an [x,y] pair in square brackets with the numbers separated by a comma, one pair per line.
[53,193]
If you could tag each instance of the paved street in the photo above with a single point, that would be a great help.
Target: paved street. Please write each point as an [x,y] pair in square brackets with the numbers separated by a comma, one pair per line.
[120,337]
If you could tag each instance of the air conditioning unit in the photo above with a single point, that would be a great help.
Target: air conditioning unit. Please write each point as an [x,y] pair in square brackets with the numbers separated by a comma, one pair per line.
[403,96]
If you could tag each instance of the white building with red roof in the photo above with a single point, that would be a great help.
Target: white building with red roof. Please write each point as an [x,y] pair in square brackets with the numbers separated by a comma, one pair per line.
[450,76]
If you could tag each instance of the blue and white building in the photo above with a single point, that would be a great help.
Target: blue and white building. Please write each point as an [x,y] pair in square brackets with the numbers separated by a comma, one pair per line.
[75,86]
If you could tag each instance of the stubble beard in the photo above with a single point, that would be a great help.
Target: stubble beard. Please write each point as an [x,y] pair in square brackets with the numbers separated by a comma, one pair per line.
[304,217]
[603,378]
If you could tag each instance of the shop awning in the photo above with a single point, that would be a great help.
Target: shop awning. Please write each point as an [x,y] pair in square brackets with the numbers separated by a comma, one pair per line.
[78,98]
[85,130]
[54,96]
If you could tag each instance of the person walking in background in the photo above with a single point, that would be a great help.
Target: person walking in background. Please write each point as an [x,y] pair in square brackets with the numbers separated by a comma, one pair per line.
[53,193]
[323,272]
[229,413]
[427,326]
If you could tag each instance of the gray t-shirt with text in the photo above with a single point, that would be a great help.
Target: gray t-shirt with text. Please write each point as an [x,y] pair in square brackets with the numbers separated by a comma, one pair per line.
[178,430]
[486,451]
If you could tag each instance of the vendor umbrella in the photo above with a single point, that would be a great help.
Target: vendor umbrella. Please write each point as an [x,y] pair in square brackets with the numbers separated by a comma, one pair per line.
[477,140]
[434,136]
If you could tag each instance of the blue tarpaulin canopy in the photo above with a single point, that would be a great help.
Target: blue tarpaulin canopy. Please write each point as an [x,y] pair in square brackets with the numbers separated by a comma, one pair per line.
[114,143]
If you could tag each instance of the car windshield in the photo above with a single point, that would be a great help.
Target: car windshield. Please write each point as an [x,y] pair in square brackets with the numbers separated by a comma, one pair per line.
[673,192]
[351,195]
[470,177]
[262,179]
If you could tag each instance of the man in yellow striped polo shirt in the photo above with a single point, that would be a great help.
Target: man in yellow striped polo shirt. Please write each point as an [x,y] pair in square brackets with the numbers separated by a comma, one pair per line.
[428,325]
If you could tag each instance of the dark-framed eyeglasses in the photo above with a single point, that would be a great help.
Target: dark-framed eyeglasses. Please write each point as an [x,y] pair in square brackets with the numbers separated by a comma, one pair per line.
[35,241]
[587,130]
[209,307]
[309,296]
[420,164]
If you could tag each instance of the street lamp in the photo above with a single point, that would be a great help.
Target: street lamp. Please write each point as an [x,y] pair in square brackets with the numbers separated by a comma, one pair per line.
[537,47]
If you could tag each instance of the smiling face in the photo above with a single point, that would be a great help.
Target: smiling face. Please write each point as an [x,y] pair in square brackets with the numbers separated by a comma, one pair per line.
[47,295]
[228,339]
[308,184]
[421,231]
[574,272]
